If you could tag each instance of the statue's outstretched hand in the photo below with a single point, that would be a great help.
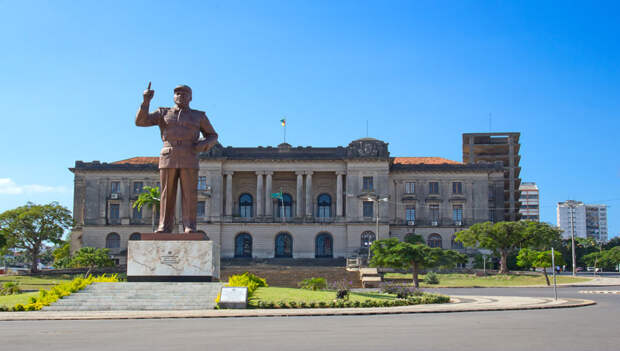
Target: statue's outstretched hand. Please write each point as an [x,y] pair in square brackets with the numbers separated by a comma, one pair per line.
[148,94]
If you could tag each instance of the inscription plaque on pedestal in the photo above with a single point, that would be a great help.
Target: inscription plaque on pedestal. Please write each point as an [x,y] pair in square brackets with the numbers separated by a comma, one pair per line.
[172,260]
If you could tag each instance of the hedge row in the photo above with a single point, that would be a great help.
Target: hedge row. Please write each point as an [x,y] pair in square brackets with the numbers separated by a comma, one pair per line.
[426,298]
[47,297]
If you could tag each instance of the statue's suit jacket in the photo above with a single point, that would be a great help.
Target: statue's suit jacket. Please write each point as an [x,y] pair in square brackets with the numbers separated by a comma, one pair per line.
[180,131]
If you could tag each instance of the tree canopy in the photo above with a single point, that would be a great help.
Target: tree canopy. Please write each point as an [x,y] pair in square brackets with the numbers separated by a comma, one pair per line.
[90,257]
[149,197]
[411,254]
[28,227]
[540,259]
[606,259]
[505,237]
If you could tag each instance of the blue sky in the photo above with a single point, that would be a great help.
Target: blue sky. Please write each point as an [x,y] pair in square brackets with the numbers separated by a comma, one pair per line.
[420,72]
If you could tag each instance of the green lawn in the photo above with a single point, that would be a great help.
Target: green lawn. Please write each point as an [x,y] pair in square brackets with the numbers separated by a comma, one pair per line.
[470,280]
[35,283]
[273,294]
[12,300]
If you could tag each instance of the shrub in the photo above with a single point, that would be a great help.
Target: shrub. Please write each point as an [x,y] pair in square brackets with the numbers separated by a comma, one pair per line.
[249,280]
[431,278]
[303,304]
[293,304]
[402,291]
[322,304]
[312,305]
[343,289]
[10,288]
[313,284]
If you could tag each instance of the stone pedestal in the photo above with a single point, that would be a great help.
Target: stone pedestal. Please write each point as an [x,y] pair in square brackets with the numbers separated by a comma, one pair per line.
[173,258]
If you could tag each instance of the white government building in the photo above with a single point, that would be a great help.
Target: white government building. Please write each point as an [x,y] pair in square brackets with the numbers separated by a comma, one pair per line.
[331,199]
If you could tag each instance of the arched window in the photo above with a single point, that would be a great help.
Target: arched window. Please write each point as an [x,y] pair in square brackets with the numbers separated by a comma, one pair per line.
[434,240]
[324,245]
[284,245]
[245,205]
[325,206]
[367,238]
[456,244]
[285,206]
[113,241]
[243,245]
[134,236]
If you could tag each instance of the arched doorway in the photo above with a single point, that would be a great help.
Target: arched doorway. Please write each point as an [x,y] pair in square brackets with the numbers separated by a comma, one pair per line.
[284,245]
[245,205]
[324,246]
[243,245]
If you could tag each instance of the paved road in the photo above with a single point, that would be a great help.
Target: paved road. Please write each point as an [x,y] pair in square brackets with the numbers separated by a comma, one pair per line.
[585,328]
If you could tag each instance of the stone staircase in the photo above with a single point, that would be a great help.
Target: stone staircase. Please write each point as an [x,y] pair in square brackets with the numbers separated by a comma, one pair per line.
[140,297]
[370,277]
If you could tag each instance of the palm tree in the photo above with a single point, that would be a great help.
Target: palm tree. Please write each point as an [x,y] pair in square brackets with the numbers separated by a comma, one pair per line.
[149,197]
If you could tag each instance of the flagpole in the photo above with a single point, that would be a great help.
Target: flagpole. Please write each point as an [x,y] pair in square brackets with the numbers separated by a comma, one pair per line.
[285,131]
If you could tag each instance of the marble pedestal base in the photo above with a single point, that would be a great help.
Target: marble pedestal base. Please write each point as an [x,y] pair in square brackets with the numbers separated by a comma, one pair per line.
[172,258]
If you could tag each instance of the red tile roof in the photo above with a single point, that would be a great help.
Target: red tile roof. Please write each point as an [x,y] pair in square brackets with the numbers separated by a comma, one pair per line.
[138,161]
[424,160]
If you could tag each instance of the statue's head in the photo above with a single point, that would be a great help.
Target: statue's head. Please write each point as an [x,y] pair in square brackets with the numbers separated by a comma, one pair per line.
[182,96]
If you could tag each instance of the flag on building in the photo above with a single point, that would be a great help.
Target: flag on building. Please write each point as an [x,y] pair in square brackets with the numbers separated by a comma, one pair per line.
[283,121]
[276,196]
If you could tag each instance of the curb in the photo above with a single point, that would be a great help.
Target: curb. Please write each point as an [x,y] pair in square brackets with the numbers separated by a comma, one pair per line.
[457,304]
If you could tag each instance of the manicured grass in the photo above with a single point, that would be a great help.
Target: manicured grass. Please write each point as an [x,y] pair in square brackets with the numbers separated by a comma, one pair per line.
[12,300]
[274,294]
[35,283]
[470,280]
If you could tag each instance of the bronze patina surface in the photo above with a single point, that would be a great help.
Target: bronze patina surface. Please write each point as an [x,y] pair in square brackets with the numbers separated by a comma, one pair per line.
[180,129]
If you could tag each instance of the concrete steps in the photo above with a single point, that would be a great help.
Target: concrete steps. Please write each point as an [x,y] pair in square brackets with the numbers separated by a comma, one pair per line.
[140,297]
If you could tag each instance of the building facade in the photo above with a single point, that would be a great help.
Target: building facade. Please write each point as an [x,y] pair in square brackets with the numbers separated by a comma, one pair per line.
[501,148]
[529,200]
[585,221]
[334,201]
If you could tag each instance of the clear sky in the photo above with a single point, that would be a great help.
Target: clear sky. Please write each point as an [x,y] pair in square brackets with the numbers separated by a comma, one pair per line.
[420,72]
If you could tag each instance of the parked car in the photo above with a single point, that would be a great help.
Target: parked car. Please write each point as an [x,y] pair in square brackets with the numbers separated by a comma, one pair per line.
[579,269]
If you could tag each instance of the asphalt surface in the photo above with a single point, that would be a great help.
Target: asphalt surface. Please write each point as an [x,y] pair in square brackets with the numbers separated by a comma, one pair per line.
[584,328]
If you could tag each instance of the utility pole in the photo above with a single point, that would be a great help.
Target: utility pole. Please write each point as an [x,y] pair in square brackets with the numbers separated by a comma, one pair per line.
[571,209]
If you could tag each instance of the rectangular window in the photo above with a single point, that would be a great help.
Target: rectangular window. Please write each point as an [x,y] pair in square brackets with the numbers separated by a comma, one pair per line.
[368,186]
[137,214]
[433,188]
[410,213]
[115,187]
[202,183]
[457,187]
[137,187]
[114,211]
[200,210]
[434,213]
[457,213]
[409,188]
[368,208]
[492,215]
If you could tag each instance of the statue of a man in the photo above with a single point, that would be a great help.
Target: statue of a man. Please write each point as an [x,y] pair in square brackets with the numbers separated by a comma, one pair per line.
[180,129]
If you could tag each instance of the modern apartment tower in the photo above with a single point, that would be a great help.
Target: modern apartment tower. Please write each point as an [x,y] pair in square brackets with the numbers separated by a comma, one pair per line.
[586,221]
[530,202]
[498,147]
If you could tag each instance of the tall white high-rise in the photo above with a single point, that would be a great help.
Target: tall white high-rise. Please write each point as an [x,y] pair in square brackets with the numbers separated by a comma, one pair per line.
[530,201]
[585,221]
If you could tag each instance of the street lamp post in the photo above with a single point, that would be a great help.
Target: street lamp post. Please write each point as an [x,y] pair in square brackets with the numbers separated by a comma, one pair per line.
[376,199]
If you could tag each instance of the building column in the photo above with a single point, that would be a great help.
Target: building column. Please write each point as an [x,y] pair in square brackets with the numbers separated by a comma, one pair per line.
[229,199]
[309,194]
[339,194]
[259,194]
[299,210]
[268,190]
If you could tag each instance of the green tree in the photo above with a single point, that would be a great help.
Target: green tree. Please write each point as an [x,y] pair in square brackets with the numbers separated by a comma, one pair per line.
[606,259]
[411,254]
[62,256]
[539,259]
[149,197]
[505,237]
[608,245]
[28,227]
[90,257]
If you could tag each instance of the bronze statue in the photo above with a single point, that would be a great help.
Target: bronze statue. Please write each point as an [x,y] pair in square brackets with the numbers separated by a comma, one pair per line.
[180,129]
